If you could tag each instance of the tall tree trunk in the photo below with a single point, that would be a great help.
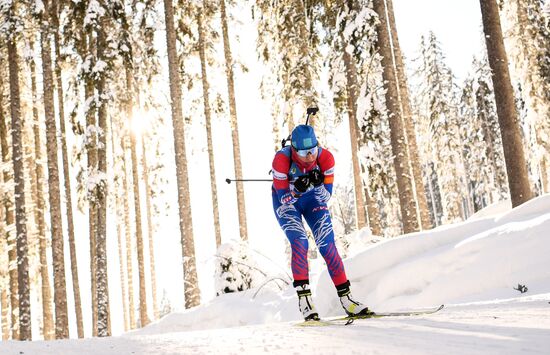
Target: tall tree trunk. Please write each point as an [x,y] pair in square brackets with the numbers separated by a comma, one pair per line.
[103,322]
[91,152]
[514,156]
[122,276]
[47,314]
[408,122]
[4,282]
[241,206]
[207,116]
[398,140]
[128,233]
[66,173]
[191,286]
[137,203]
[4,260]
[23,282]
[119,220]
[58,255]
[10,238]
[351,86]
[150,230]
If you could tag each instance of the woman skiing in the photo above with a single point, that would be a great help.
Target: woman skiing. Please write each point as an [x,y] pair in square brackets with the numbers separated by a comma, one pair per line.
[303,174]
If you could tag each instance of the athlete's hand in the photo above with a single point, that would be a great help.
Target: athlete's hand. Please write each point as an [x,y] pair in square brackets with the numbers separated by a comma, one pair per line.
[316,177]
[301,184]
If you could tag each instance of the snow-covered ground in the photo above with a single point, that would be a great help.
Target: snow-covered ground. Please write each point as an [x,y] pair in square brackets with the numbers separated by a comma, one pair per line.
[471,267]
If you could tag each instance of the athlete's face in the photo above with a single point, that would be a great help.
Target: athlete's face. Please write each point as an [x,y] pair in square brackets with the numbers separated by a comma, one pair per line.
[308,156]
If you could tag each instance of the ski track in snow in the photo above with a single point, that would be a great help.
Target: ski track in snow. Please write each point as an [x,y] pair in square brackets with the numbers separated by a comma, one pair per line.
[515,326]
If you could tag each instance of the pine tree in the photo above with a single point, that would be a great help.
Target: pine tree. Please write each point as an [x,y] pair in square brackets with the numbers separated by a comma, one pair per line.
[202,44]
[529,50]
[23,282]
[352,91]
[150,229]
[516,166]
[56,10]
[478,172]
[130,99]
[7,205]
[4,261]
[289,46]
[60,294]
[352,25]
[243,229]
[128,237]
[439,109]
[192,295]
[146,71]
[487,115]
[404,98]
[37,179]
[401,157]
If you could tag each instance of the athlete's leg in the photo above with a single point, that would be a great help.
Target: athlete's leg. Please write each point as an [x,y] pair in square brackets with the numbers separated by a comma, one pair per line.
[318,218]
[290,220]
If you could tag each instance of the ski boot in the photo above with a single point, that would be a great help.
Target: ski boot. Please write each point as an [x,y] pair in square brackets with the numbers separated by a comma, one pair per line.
[304,300]
[351,306]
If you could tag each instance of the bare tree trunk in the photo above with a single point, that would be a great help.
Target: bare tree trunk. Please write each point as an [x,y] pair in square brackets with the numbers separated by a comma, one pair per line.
[122,277]
[23,282]
[66,174]
[91,151]
[128,233]
[514,156]
[351,86]
[150,230]
[192,292]
[119,220]
[241,206]
[409,124]
[4,303]
[137,204]
[60,293]
[10,239]
[207,115]
[103,322]
[4,260]
[47,313]
[398,140]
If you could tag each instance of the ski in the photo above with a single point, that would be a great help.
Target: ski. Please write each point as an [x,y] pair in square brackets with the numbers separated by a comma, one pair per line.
[350,319]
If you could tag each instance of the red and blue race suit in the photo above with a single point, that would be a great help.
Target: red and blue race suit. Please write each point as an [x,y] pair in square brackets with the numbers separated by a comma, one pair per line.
[312,205]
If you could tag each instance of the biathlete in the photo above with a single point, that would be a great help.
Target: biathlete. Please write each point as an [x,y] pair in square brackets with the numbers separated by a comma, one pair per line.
[303,174]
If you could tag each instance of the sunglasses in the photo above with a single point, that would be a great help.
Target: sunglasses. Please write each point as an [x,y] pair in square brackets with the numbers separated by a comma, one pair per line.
[304,152]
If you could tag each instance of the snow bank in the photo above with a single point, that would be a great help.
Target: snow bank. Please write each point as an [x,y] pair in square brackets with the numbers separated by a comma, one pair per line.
[493,210]
[479,260]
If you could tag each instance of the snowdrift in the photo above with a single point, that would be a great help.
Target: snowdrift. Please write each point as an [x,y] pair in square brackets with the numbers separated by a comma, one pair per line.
[478,260]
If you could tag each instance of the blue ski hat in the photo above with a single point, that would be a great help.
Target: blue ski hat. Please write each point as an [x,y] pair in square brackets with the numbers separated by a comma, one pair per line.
[303,137]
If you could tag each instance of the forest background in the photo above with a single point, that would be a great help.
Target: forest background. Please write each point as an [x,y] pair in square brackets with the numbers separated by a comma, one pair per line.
[140,123]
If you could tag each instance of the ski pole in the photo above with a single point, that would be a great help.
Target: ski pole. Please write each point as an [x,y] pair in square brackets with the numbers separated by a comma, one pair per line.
[245,180]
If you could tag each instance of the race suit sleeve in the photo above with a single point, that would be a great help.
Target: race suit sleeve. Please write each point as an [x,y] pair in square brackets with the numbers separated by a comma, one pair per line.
[326,164]
[280,166]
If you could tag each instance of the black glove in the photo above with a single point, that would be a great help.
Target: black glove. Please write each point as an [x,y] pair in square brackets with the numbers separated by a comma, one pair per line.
[302,183]
[316,177]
